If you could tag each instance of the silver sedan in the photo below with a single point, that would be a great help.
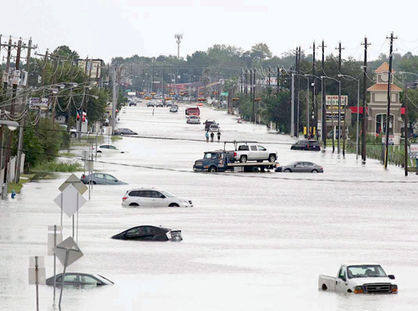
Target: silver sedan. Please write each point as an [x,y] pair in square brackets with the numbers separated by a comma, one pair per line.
[301,167]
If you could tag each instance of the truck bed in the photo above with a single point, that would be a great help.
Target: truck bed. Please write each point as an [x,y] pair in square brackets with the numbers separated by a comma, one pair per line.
[326,282]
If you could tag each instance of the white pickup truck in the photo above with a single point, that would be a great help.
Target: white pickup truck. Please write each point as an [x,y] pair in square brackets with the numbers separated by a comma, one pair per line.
[359,279]
[254,152]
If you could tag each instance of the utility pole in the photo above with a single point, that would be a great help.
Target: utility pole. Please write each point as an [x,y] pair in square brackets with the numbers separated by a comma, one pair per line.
[292,107]
[178,37]
[22,122]
[253,98]
[297,93]
[314,108]
[406,133]
[6,71]
[269,76]
[339,98]
[389,98]
[307,106]
[12,109]
[278,79]
[364,116]
[323,101]
[114,98]
[245,81]
[296,96]
[251,94]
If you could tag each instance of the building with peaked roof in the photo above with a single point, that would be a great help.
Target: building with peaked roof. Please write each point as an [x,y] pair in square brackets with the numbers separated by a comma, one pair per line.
[377,107]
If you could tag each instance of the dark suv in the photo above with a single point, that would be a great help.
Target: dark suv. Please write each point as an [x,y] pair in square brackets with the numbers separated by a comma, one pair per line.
[312,145]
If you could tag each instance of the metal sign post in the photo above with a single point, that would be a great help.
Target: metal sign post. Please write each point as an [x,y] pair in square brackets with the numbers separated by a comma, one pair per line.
[36,274]
[53,240]
[67,252]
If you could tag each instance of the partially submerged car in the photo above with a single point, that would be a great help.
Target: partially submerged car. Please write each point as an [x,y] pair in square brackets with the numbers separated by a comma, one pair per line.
[149,233]
[124,131]
[301,167]
[193,120]
[359,279]
[108,149]
[310,145]
[174,108]
[101,179]
[151,197]
[79,279]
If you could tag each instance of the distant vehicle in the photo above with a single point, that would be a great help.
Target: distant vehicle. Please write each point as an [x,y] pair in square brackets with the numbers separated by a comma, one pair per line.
[208,123]
[214,128]
[108,149]
[193,120]
[192,111]
[78,279]
[124,131]
[132,104]
[254,152]
[311,145]
[151,103]
[359,279]
[149,233]
[301,167]
[150,197]
[73,133]
[101,179]
[174,108]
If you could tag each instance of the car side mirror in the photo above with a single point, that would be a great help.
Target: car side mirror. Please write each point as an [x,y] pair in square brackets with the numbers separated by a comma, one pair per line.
[391,276]
[344,278]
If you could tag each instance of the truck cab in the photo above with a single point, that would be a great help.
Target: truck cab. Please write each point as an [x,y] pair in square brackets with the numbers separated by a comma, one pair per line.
[214,161]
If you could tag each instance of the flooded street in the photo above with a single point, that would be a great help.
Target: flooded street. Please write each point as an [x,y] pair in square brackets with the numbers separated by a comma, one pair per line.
[252,241]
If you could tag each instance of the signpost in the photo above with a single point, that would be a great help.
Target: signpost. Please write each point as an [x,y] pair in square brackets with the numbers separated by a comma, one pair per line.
[70,201]
[53,239]
[37,274]
[67,252]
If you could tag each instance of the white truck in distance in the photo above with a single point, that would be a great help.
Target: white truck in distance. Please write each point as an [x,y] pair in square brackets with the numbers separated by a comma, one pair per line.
[253,152]
[359,279]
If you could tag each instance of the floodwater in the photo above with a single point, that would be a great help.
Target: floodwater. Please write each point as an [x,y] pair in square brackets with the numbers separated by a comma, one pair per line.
[252,241]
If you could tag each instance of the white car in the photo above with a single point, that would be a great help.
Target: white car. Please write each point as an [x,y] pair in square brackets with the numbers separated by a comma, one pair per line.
[359,279]
[193,120]
[254,152]
[108,149]
[150,197]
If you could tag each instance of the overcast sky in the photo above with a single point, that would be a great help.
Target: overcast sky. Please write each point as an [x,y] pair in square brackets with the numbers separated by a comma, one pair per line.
[109,28]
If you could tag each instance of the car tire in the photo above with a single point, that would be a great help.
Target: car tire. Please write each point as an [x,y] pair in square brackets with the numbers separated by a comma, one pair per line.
[173,205]
[243,159]
[133,204]
[93,182]
[324,287]
[212,169]
[288,170]
[292,148]
[314,171]
[99,151]
[272,158]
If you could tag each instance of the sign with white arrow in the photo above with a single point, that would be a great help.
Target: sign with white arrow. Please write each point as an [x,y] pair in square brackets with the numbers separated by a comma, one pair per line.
[70,200]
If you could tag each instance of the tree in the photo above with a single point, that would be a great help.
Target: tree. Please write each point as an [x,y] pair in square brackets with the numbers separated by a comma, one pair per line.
[260,51]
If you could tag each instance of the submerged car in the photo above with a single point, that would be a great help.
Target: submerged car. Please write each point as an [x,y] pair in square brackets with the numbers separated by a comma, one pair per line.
[101,179]
[193,120]
[124,131]
[78,279]
[149,233]
[108,149]
[150,197]
[311,145]
[301,167]
[174,108]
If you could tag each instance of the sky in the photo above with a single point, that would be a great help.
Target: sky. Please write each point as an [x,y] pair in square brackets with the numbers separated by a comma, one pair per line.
[110,28]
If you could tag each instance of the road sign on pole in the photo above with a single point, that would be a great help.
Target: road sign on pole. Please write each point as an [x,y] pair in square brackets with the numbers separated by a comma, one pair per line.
[70,200]
[67,252]
[36,274]
[76,182]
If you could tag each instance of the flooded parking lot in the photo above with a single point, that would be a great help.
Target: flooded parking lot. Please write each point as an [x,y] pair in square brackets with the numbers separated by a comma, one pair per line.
[252,241]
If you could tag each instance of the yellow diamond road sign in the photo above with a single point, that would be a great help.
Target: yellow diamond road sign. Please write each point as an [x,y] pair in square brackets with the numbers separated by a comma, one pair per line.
[76,182]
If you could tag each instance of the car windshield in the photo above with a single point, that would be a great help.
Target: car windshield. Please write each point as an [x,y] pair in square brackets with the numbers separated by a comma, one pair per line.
[167,194]
[365,271]
[208,155]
